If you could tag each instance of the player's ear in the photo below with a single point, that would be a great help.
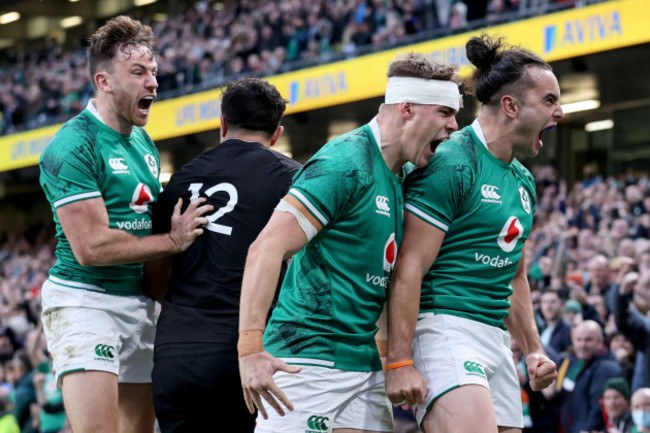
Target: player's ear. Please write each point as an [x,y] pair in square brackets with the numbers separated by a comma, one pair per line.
[406,110]
[510,106]
[276,135]
[224,127]
[101,82]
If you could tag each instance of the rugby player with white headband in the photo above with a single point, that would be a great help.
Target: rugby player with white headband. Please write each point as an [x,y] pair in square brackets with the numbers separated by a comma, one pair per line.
[460,284]
[342,223]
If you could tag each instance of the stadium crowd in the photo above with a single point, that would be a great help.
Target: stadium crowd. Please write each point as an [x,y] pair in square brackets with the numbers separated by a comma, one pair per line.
[589,239]
[200,47]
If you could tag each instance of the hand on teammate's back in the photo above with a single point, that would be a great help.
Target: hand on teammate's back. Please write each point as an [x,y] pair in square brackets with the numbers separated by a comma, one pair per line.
[187,226]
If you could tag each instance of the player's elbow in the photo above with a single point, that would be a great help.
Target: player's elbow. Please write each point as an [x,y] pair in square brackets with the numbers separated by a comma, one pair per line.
[86,255]
[85,258]
[256,250]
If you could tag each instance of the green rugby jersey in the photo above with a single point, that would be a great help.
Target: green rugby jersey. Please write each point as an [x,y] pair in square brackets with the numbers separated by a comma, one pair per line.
[87,159]
[335,288]
[485,207]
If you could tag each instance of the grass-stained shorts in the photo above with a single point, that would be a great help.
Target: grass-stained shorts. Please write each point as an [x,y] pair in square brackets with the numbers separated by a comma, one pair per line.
[325,399]
[88,330]
[451,351]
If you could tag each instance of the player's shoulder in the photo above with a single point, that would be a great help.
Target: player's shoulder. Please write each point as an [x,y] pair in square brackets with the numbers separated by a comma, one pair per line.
[461,147]
[522,171]
[76,131]
[142,134]
[75,138]
[283,162]
[355,150]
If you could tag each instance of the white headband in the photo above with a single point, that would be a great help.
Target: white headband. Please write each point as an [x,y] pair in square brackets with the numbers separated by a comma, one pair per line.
[422,91]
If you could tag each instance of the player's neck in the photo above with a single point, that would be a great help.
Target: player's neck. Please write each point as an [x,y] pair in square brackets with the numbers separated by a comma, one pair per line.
[111,117]
[499,136]
[259,138]
[391,149]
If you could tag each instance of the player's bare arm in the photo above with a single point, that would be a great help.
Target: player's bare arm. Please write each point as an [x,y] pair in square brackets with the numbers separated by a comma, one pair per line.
[86,226]
[281,238]
[420,246]
[521,325]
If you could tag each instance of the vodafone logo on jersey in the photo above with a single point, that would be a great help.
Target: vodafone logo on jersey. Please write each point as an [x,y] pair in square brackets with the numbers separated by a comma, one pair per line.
[141,198]
[511,232]
[390,253]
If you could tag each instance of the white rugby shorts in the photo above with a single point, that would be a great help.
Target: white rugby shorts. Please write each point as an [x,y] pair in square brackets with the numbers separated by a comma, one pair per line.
[325,399]
[451,351]
[88,330]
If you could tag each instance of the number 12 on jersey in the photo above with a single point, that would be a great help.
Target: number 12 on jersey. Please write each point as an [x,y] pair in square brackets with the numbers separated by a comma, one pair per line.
[229,189]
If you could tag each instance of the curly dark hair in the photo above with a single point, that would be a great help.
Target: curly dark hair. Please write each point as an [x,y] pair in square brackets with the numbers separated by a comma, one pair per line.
[253,105]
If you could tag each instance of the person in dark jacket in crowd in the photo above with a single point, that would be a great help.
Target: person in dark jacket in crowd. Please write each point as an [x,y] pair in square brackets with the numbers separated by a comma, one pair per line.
[632,302]
[582,377]
[556,332]
[616,405]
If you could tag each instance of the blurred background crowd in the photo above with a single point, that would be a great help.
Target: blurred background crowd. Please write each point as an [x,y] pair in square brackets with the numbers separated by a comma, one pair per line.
[201,47]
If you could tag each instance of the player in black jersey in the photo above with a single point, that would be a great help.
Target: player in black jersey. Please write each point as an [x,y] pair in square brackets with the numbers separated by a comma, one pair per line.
[196,379]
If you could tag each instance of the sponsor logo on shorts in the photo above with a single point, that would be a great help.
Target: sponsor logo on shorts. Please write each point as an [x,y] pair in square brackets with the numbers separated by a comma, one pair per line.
[474,368]
[317,424]
[104,353]
[490,194]
[382,205]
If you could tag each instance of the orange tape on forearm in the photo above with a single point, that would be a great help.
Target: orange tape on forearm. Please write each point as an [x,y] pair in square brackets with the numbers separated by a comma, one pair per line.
[399,364]
[250,342]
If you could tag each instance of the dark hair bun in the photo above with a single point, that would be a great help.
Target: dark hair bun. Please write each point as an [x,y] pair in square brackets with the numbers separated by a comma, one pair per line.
[482,52]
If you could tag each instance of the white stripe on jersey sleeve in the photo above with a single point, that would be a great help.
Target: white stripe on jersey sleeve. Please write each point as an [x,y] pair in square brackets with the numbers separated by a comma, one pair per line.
[300,196]
[428,218]
[76,197]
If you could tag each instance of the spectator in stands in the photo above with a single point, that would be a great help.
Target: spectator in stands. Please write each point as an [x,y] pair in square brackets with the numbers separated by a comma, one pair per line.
[624,352]
[8,423]
[21,374]
[40,87]
[583,377]
[632,305]
[641,410]
[572,312]
[616,405]
[556,332]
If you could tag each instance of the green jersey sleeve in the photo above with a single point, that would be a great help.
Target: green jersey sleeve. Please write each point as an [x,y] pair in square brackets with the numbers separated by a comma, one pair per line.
[68,173]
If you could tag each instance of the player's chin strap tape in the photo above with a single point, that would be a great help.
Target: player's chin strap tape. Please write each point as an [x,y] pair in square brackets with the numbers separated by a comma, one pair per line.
[250,342]
[303,222]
